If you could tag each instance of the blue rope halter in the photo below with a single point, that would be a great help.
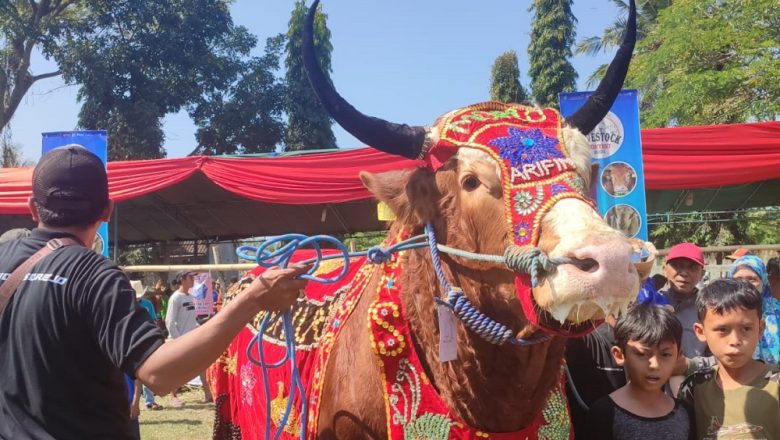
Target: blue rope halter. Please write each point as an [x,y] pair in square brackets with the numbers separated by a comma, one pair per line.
[532,261]
[476,321]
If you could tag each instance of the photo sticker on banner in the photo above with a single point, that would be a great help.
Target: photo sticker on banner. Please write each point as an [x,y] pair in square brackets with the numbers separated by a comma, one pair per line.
[607,137]
[618,179]
[625,219]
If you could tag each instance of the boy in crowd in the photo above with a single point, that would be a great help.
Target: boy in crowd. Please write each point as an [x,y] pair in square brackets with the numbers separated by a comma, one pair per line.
[740,397]
[647,345]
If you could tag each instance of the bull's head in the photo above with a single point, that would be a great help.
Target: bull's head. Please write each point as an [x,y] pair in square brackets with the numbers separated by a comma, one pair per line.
[499,175]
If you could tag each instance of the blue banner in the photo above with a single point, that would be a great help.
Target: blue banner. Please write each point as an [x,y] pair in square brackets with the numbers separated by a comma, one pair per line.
[94,141]
[616,146]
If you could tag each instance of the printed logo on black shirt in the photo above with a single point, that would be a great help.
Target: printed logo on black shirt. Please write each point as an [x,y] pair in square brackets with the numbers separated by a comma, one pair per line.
[44,277]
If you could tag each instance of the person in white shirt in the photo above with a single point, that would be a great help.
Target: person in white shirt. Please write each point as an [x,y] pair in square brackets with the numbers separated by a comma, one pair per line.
[181,319]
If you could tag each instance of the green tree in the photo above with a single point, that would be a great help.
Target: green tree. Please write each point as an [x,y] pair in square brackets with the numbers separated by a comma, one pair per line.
[552,37]
[139,61]
[763,226]
[136,255]
[505,79]
[247,117]
[361,241]
[710,63]
[25,24]
[647,15]
[704,229]
[753,226]
[11,155]
[134,126]
[308,124]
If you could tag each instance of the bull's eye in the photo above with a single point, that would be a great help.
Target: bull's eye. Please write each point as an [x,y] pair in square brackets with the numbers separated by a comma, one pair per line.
[470,183]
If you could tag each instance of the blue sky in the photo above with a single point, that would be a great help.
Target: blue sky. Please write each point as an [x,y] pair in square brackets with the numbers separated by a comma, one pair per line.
[405,61]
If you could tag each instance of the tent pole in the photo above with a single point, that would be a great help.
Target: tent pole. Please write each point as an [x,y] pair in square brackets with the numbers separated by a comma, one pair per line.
[116,232]
[192,267]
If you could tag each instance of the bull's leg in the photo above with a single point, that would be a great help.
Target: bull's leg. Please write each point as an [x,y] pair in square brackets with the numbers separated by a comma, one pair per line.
[352,395]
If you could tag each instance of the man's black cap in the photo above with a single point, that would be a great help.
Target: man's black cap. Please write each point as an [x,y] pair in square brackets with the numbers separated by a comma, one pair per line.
[180,275]
[71,178]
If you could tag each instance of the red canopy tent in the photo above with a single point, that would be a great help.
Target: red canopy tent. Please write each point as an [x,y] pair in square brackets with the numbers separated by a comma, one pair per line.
[225,197]
[299,180]
[710,156]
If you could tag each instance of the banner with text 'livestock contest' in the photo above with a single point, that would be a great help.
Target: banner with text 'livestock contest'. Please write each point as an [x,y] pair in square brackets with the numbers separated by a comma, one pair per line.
[94,141]
[616,146]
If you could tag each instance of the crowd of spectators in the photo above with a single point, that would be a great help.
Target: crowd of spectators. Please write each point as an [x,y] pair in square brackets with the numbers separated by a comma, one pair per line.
[684,360]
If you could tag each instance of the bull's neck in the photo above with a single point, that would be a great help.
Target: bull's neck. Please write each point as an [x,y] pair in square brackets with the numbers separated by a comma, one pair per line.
[492,388]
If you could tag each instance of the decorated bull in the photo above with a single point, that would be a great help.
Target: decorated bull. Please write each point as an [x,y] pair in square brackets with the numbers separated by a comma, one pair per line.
[417,345]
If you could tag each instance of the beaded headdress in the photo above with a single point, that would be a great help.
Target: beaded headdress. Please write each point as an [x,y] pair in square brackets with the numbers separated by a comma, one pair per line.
[527,145]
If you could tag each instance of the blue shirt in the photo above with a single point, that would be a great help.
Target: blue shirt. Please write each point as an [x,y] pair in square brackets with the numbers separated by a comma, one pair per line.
[130,388]
[149,307]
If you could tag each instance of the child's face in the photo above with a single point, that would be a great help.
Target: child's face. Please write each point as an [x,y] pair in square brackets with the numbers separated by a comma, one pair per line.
[647,367]
[732,336]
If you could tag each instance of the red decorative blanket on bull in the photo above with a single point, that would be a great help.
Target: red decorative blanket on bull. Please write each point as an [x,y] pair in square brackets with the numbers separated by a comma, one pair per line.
[413,407]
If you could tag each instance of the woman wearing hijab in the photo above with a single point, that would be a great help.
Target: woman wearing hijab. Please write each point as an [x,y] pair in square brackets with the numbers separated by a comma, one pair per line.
[752,269]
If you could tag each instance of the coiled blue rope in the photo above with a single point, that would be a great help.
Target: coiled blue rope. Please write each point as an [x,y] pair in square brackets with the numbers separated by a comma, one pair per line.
[532,261]
[288,244]
[281,257]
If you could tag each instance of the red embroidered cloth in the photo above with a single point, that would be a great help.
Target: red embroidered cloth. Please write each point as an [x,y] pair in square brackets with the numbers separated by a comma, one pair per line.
[238,383]
[414,409]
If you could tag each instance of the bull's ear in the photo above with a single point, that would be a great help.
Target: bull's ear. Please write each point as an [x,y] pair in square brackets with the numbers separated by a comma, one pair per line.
[412,195]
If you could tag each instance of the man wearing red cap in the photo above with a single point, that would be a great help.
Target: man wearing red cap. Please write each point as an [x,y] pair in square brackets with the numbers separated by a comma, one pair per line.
[684,270]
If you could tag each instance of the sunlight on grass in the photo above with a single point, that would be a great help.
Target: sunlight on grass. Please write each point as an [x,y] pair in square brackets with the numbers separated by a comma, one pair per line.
[193,421]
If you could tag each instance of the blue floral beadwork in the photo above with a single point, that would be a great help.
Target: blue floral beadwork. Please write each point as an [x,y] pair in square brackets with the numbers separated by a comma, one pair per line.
[527,146]
[558,188]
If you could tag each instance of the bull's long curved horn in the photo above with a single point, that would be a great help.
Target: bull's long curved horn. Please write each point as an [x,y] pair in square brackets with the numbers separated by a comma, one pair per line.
[598,104]
[400,139]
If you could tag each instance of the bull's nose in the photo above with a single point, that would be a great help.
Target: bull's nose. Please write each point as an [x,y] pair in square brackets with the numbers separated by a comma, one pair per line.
[604,262]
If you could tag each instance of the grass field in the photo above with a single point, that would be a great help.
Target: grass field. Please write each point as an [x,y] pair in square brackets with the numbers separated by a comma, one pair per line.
[193,421]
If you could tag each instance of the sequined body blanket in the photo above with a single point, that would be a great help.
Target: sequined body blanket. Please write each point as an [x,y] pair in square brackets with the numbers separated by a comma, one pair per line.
[413,407]
[237,382]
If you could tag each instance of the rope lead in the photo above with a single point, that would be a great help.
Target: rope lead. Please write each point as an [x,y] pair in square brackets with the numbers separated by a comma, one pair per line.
[532,261]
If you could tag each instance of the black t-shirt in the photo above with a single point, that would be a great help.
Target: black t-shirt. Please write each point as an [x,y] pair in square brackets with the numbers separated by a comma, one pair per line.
[593,370]
[608,421]
[67,335]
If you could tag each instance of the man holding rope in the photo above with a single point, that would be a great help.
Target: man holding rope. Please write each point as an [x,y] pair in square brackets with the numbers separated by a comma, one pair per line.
[69,323]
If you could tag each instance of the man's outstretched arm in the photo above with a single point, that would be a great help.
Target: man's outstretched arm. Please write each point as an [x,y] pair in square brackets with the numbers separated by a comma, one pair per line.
[178,361]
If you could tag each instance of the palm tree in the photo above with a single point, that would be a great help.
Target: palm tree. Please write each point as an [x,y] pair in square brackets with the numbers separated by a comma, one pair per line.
[647,14]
